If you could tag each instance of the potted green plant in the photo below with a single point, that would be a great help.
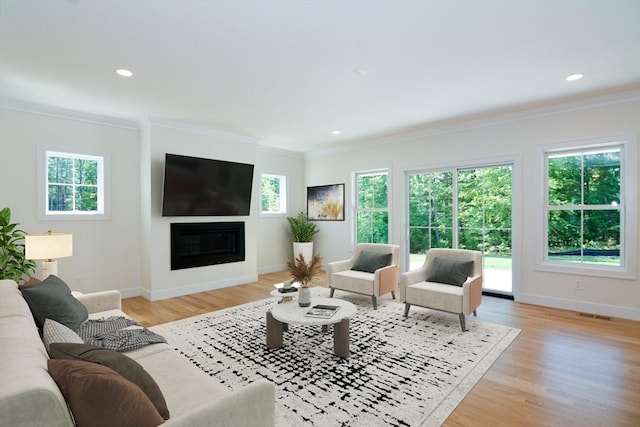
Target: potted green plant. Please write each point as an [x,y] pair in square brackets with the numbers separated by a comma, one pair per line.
[303,231]
[13,264]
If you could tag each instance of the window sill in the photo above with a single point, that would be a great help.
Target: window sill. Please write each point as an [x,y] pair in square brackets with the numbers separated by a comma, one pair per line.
[587,270]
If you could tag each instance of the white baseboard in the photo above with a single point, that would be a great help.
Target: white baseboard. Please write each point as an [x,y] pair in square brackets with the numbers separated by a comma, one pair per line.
[272,269]
[278,268]
[130,292]
[581,306]
[195,288]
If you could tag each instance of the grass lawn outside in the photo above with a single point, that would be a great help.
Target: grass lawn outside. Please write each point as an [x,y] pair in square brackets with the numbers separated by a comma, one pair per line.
[503,262]
[491,262]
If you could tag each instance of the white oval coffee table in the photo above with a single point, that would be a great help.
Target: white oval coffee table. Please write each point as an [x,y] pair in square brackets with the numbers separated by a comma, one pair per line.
[290,313]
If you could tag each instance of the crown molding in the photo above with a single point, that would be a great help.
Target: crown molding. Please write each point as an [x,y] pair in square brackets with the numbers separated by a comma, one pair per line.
[279,151]
[51,111]
[200,130]
[498,119]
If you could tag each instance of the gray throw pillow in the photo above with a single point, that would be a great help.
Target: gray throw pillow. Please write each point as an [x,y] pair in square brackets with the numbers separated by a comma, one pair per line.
[371,261]
[450,271]
[52,299]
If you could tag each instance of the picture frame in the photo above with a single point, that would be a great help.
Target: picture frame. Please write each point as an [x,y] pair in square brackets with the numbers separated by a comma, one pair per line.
[325,202]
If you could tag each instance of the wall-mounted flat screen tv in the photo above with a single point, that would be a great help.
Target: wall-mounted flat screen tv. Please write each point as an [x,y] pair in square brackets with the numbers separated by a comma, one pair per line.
[205,187]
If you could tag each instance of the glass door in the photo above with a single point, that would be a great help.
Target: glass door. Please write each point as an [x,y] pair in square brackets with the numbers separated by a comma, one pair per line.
[467,208]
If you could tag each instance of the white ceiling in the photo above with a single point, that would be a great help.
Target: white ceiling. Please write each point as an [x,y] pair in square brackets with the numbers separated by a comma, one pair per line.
[282,72]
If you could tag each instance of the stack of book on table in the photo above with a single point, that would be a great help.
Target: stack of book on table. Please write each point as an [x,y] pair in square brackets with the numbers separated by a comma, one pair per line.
[322,311]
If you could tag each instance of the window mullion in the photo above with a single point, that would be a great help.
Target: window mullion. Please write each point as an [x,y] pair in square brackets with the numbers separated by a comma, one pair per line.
[454,214]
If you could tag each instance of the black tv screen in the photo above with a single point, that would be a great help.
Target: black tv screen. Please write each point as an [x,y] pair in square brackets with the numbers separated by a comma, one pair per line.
[205,187]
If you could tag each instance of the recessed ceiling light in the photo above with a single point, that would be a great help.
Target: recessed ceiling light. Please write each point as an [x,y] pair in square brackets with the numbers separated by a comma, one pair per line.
[360,71]
[574,77]
[124,72]
[336,132]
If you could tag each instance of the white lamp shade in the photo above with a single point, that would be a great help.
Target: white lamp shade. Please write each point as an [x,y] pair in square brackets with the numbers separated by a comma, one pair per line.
[48,245]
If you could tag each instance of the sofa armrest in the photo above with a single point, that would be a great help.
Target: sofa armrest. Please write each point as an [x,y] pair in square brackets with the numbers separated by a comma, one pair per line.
[472,287]
[251,406]
[101,301]
[387,279]
[336,266]
[409,278]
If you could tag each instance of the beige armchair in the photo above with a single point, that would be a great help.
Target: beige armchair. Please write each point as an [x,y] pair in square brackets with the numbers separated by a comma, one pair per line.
[461,300]
[351,275]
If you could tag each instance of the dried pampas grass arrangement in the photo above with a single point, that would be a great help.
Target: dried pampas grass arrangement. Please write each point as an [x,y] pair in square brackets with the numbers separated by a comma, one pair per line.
[303,273]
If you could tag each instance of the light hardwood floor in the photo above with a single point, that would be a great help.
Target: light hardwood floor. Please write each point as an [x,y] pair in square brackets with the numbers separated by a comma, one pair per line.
[564,369]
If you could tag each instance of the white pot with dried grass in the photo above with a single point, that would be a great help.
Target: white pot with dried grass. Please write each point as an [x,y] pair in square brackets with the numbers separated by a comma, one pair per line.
[304,274]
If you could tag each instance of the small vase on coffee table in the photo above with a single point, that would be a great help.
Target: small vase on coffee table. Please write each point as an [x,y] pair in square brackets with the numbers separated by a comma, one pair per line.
[304,296]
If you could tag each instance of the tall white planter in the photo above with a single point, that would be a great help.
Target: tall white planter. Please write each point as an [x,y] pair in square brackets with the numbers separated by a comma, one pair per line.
[304,248]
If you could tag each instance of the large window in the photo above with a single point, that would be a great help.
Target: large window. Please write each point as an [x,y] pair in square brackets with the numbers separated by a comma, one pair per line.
[372,207]
[584,206]
[273,194]
[588,222]
[72,185]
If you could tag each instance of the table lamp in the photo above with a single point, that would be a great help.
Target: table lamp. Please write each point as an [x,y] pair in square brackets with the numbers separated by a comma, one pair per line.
[46,247]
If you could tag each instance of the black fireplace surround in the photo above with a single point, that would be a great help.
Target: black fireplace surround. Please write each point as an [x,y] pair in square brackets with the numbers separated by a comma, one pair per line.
[206,243]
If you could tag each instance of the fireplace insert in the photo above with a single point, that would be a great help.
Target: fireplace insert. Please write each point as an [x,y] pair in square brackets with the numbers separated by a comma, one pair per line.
[206,243]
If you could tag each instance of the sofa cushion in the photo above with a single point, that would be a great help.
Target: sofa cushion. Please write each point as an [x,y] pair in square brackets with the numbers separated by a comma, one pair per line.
[123,365]
[361,282]
[28,394]
[371,261]
[98,396]
[450,271]
[441,295]
[184,385]
[54,332]
[52,299]
[11,301]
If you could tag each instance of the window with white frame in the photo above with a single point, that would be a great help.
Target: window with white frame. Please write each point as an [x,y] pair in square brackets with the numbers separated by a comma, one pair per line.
[586,215]
[72,185]
[273,194]
[372,207]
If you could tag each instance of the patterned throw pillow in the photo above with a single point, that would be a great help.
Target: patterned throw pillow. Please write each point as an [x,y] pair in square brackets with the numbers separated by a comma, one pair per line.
[53,332]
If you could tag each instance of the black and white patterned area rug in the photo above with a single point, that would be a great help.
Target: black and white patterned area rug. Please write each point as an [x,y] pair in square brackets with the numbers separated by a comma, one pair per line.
[402,371]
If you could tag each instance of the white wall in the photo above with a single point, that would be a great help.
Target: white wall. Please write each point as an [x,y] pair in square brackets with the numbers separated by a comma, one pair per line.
[106,253]
[160,281]
[517,138]
[274,235]
[130,251]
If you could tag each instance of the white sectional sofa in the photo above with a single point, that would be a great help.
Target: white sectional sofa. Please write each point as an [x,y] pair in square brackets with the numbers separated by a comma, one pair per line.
[30,397]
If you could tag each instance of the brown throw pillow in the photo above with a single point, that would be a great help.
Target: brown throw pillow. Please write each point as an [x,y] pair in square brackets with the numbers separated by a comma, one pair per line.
[123,365]
[99,397]
[30,283]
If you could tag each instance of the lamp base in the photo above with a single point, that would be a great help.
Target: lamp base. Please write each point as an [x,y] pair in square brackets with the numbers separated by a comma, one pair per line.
[48,268]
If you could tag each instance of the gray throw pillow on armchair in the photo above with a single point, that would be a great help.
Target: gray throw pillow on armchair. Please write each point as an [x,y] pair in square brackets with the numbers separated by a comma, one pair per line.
[371,261]
[450,271]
